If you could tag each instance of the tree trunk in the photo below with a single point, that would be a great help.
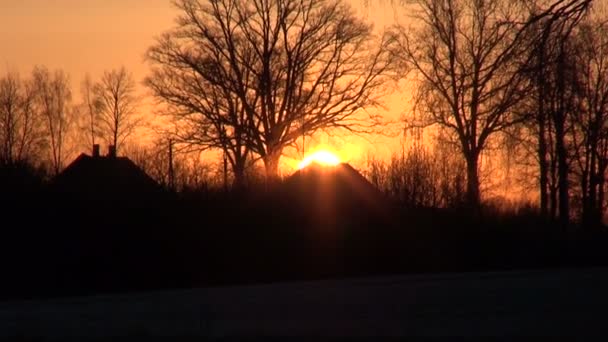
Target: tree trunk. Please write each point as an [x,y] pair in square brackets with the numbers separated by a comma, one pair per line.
[596,193]
[559,119]
[589,192]
[543,165]
[225,171]
[239,172]
[594,206]
[473,196]
[586,200]
[271,163]
[542,131]
[600,195]
[553,192]
[115,139]
[562,171]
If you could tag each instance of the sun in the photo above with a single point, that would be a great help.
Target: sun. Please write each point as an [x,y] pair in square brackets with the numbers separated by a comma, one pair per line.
[322,157]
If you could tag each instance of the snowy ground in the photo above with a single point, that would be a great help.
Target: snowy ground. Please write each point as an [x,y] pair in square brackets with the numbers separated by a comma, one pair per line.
[560,302]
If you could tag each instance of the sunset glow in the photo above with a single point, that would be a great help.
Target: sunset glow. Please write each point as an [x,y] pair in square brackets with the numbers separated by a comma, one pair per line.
[322,157]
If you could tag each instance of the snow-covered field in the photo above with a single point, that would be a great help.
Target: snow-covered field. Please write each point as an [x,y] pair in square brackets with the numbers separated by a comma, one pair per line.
[551,302]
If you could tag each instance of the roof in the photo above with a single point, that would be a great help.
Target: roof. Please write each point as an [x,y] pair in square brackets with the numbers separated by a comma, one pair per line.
[337,189]
[105,176]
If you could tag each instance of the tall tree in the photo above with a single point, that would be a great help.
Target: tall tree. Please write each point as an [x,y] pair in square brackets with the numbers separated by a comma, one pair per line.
[468,57]
[555,77]
[53,98]
[19,122]
[89,111]
[205,116]
[294,66]
[116,102]
[590,119]
[10,99]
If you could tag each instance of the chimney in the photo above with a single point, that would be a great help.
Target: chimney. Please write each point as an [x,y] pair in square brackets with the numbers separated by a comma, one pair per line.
[95,150]
[112,151]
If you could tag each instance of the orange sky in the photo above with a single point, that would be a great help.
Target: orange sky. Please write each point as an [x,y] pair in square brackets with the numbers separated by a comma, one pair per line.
[90,36]
[80,36]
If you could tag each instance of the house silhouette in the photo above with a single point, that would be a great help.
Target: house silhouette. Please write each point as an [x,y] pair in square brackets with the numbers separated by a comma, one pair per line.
[335,194]
[342,181]
[105,177]
[111,223]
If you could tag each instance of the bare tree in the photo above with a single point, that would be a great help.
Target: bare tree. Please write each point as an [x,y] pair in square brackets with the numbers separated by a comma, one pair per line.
[420,176]
[89,111]
[205,116]
[555,76]
[53,96]
[468,57]
[19,124]
[9,107]
[590,117]
[180,172]
[116,103]
[295,67]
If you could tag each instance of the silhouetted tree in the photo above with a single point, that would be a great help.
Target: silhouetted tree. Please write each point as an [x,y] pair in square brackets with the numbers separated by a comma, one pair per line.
[189,171]
[20,136]
[116,103]
[89,111]
[205,117]
[420,176]
[53,97]
[287,67]
[541,118]
[590,117]
[565,104]
[413,178]
[468,57]
[554,74]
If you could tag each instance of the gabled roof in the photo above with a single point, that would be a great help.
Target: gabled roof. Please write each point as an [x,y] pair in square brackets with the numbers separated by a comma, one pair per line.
[105,176]
[339,189]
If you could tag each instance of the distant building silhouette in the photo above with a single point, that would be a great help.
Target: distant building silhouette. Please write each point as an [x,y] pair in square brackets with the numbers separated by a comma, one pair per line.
[105,177]
[336,192]
[342,178]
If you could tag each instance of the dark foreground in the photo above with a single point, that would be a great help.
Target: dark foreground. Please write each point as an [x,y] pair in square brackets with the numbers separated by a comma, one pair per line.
[144,249]
[558,302]
[58,244]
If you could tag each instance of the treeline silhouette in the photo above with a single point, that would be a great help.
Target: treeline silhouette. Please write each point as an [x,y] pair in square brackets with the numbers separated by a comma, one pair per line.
[62,241]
